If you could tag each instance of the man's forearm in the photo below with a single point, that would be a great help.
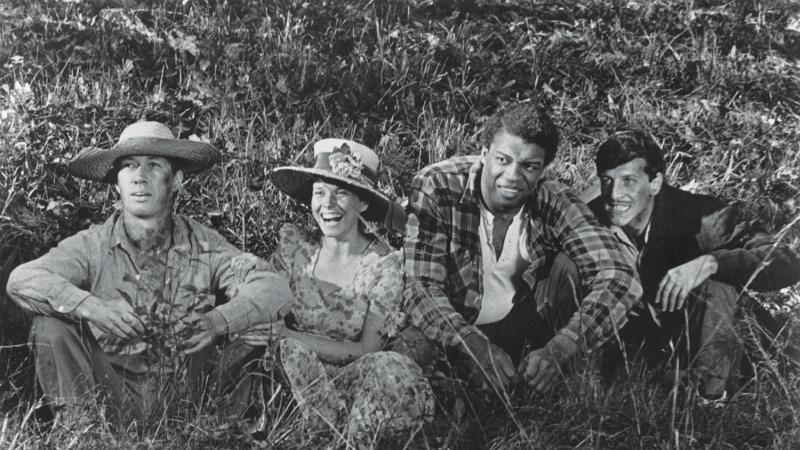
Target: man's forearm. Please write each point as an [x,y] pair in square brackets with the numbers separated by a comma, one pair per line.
[42,292]
[259,300]
[435,316]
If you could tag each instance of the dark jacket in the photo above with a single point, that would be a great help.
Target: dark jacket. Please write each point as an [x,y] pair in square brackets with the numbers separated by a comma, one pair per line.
[685,226]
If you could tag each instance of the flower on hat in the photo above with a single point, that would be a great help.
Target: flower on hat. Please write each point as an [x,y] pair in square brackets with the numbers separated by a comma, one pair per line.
[345,163]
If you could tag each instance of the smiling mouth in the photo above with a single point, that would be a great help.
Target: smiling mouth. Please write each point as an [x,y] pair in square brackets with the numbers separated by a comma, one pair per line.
[330,218]
[509,190]
[619,207]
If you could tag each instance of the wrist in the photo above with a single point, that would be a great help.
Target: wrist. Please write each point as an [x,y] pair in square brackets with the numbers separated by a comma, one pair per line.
[474,342]
[562,348]
[217,322]
[85,309]
[712,264]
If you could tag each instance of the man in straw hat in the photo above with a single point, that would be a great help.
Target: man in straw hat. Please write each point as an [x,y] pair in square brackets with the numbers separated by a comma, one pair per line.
[499,259]
[694,255]
[121,301]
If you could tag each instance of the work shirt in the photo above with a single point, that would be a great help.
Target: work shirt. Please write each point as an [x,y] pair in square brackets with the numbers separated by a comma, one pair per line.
[444,283]
[164,291]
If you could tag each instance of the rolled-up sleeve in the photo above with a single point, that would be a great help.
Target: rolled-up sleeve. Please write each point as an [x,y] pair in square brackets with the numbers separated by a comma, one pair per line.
[256,299]
[55,283]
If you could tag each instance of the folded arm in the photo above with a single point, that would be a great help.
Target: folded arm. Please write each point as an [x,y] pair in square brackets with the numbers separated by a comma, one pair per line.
[255,296]
[426,261]
[609,283]
[743,250]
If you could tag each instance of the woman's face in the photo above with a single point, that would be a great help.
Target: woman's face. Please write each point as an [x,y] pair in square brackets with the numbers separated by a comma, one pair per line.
[336,209]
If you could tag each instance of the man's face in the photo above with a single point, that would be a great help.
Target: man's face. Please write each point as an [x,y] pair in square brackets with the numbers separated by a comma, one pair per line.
[628,194]
[146,185]
[511,169]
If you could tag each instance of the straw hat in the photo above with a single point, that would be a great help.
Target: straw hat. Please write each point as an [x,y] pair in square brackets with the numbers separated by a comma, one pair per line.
[144,138]
[347,163]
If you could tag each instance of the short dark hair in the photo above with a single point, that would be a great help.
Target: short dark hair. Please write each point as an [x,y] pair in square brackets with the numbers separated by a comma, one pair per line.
[625,146]
[525,121]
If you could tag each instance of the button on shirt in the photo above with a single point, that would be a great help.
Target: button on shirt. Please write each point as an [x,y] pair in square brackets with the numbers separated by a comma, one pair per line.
[164,289]
[502,277]
[443,270]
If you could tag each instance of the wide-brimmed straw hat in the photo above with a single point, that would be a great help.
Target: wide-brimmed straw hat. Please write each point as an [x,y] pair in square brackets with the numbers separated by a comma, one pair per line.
[144,138]
[349,164]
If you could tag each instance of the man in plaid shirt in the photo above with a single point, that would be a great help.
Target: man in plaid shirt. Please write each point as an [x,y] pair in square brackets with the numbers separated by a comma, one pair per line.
[498,258]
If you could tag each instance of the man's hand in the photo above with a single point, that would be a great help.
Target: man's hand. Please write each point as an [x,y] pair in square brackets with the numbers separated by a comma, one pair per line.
[265,334]
[489,363]
[203,333]
[115,317]
[539,368]
[679,281]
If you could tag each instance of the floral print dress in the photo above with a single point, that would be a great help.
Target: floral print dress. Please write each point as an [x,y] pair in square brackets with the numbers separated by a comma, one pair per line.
[381,392]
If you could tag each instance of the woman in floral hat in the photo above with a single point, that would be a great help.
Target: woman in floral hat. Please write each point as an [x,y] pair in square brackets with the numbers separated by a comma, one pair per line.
[348,288]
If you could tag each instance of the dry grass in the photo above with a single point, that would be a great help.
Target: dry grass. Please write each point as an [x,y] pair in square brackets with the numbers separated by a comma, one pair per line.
[715,81]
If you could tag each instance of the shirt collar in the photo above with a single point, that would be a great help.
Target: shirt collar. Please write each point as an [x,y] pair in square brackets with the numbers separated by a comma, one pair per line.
[472,192]
[180,233]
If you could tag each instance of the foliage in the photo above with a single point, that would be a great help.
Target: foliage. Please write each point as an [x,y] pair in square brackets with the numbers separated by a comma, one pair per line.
[715,82]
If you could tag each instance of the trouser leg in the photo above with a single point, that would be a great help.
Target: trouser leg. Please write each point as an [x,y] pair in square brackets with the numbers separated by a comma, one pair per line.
[558,295]
[534,320]
[232,373]
[718,346]
[71,368]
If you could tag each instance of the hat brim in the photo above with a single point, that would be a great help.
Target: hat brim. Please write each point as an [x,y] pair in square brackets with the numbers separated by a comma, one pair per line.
[297,182]
[96,164]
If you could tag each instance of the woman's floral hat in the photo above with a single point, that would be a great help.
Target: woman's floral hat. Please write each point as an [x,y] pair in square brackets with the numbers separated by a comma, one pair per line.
[349,164]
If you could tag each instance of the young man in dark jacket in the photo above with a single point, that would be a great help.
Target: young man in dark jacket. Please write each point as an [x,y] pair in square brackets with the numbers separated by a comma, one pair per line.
[694,255]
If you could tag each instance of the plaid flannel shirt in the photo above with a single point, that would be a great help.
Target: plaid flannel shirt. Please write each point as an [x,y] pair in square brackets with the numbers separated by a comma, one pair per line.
[443,262]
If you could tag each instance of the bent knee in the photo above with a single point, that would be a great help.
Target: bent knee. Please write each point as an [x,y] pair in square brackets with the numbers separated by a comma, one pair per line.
[50,330]
[713,291]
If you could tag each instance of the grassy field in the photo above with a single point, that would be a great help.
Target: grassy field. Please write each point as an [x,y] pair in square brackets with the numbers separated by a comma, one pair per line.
[716,82]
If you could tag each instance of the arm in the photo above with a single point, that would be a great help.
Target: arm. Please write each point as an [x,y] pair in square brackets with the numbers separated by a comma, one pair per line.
[258,291]
[743,250]
[609,283]
[381,281]
[336,351]
[426,262]
[736,253]
[429,308]
[57,283]
[253,298]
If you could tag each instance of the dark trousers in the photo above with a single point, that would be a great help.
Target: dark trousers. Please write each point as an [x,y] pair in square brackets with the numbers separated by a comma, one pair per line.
[702,335]
[530,324]
[72,370]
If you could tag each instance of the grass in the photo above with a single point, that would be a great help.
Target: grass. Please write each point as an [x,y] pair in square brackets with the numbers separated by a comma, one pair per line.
[716,82]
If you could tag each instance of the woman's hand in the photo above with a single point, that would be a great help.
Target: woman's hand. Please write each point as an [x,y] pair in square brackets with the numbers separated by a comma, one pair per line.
[266,334]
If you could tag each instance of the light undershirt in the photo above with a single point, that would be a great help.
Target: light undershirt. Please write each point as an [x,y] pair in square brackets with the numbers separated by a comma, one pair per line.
[501,276]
